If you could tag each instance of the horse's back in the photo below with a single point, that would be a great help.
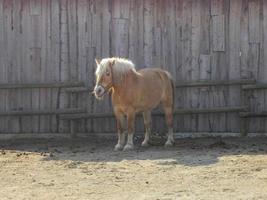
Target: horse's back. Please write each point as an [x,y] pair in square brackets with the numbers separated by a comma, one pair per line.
[156,75]
[158,81]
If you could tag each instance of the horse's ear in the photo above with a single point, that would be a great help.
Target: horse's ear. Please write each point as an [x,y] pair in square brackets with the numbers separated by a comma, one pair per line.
[97,61]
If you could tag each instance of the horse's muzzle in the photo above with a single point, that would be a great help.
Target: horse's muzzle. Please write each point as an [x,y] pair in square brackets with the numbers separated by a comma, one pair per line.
[99,91]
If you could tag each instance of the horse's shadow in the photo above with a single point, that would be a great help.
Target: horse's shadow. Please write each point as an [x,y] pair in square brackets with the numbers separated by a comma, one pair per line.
[188,152]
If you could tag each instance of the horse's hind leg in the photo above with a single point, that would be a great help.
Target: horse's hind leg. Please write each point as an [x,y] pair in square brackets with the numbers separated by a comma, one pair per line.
[130,123]
[147,122]
[169,119]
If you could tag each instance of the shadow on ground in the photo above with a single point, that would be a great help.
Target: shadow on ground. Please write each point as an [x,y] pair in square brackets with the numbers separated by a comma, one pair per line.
[188,152]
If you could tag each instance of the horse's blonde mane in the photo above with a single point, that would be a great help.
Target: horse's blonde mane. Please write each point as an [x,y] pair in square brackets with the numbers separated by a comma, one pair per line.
[120,67]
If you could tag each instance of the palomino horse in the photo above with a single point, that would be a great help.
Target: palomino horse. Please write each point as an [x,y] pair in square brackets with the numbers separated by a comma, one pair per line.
[133,92]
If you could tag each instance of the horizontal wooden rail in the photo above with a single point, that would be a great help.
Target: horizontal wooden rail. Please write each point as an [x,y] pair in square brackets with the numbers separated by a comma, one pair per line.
[214,83]
[176,112]
[255,86]
[77,89]
[42,112]
[40,85]
[182,84]
[253,114]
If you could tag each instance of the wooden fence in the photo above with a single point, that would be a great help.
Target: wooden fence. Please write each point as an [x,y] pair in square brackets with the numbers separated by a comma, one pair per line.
[55,41]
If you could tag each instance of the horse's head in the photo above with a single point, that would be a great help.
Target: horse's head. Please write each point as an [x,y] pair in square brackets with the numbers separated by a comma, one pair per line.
[104,80]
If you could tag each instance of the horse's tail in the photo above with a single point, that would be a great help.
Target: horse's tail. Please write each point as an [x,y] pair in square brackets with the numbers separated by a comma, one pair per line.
[173,92]
[173,88]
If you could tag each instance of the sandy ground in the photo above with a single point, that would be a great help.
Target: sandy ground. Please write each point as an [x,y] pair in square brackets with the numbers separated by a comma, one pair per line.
[206,168]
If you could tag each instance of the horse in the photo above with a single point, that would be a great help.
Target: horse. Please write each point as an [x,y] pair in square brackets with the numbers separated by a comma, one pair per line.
[133,92]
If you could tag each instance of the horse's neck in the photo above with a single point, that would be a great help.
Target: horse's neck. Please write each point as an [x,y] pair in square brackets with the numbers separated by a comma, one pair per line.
[129,80]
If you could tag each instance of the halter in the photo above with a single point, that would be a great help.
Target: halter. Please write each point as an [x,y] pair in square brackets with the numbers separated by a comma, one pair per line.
[107,88]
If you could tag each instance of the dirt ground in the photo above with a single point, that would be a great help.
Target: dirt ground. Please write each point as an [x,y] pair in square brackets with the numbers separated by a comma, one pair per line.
[206,168]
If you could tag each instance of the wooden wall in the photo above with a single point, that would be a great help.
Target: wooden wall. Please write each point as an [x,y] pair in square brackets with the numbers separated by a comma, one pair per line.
[57,40]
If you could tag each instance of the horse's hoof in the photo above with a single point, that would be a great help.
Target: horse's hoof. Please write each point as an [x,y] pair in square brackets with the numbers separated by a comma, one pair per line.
[145,144]
[128,147]
[168,144]
[118,147]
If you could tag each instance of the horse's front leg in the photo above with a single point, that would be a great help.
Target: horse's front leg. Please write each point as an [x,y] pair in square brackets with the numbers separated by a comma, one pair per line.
[121,134]
[147,122]
[130,123]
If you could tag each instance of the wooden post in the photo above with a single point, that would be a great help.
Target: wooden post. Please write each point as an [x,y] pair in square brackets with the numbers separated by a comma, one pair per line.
[243,120]
[73,129]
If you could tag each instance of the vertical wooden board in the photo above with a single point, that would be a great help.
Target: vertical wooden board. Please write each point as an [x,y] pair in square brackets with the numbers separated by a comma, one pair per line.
[90,98]
[90,67]
[205,27]
[44,31]
[218,33]
[35,7]
[179,93]
[116,9]
[16,57]
[244,40]
[222,71]
[186,56]
[55,59]
[196,35]
[140,22]
[73,46]
[148,32]
[3,70]
[170,48]
[133,32]
[120,38]
[72,39]
[254,58]
[205,60]
[64,59]
[11,47]
[254,21]
[37,32]
[204,74]
[204,67]
[217,7]
[263,68]
[125,9]
[82,8]
[234,59]
[35,63]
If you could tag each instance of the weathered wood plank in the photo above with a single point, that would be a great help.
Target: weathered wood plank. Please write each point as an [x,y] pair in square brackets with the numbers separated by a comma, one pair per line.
[204,74]
[35,7]
[55,59]
[42,112]
[3,69]
[195,64]
[64,58]
[186,55]
[120,39]
[217,7]
[234,60]
[254,21]
[218,33]
[11,48]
